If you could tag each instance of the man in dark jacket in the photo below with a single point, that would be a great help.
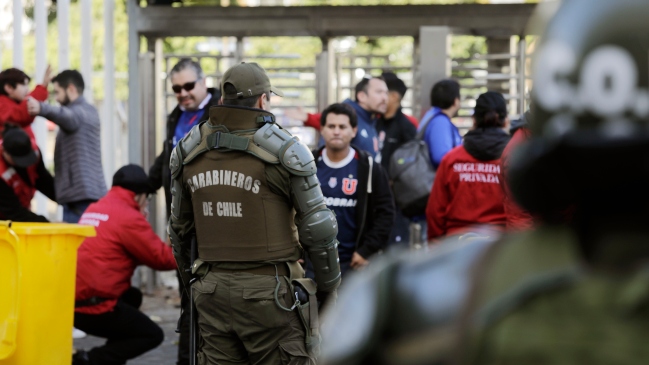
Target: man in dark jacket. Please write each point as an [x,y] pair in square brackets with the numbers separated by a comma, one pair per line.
[355,187]
[194,99]
[194,102]
[394,127]
[22,172]
[371,100]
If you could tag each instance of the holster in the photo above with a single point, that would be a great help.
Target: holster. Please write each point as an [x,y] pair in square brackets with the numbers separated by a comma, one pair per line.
[308,311]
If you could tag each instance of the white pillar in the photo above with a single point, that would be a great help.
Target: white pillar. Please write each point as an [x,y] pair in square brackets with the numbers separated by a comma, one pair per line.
[18,34]
[39,126]
[86,47]
[134,107]
[522,61]
[108,124]
[40,20]
[434,61]
[63,20]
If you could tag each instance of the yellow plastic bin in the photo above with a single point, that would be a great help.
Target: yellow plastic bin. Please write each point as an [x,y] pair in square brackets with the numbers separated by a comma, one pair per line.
[46,257]
[10,273]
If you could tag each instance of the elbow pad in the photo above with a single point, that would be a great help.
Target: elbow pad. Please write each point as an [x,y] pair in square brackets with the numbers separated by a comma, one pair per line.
[317,228]
[316,224]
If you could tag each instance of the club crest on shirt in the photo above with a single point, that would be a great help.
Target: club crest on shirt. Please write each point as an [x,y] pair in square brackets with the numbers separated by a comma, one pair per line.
[364,133]
[349,186]
[333,182]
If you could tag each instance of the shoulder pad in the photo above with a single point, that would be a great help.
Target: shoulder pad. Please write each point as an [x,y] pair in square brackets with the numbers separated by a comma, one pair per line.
[297,158]
[191,140]
[175,163]
[271,137]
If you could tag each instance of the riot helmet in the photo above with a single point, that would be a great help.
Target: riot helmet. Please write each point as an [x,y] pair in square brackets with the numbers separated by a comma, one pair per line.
[591,121]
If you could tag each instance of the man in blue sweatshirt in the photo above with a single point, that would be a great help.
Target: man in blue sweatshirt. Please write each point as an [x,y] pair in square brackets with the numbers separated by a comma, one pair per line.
[441,134]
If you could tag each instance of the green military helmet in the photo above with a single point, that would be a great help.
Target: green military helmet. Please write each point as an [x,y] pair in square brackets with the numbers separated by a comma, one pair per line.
[591,81]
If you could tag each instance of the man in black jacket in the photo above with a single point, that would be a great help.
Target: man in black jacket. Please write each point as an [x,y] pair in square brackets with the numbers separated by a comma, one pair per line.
[394,127]
[194,102]
[355,187]
[22,173]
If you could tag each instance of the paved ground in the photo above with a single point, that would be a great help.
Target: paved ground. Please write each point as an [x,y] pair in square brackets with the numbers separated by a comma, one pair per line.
[162,308]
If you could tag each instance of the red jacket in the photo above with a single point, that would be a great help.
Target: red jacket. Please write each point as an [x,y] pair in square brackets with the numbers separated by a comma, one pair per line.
[124,240]
[466,192]
[517,218]
[24,191]
[16,113]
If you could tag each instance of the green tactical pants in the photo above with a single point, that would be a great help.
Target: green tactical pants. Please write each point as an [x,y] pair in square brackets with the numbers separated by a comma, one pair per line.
[240,322]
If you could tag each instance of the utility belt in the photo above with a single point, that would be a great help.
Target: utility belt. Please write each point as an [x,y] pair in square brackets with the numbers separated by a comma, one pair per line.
[303,289]
[203,268]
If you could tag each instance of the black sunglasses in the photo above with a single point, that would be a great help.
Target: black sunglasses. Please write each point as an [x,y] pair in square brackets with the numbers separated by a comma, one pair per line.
[189,86]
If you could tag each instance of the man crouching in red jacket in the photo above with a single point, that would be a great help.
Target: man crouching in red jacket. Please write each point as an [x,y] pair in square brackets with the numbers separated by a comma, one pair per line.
[105,304]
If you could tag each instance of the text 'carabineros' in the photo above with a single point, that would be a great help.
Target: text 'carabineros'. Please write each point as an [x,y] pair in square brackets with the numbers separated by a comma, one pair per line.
[223,178]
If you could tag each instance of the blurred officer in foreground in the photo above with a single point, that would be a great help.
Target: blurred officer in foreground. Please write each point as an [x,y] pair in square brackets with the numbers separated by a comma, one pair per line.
[245,187]
[106,305]
[574,290]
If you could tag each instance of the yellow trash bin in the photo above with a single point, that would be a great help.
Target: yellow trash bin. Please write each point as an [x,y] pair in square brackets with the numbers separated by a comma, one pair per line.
[47,262]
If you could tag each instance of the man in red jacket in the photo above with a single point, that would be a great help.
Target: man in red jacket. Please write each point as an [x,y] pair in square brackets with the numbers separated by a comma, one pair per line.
[22,173]
[467,189]
[106,304]
[14,92]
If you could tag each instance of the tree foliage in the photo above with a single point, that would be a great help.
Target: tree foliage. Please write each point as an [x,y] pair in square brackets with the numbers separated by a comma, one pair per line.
[399,50]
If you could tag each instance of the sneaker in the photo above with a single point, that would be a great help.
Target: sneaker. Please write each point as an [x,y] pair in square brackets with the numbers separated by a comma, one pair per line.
[80,358]
[77,333]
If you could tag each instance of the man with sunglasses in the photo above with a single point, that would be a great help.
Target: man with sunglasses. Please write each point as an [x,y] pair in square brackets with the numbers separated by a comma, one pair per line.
[194,101]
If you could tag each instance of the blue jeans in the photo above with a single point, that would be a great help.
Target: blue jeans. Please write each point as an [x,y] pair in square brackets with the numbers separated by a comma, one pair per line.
[72,211]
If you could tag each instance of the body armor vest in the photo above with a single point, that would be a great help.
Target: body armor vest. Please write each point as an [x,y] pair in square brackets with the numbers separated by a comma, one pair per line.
[237,217]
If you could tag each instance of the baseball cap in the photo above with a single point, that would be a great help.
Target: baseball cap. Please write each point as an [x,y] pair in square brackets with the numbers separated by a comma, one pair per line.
[489,101]
[249,79]
[18,145]
[132,177]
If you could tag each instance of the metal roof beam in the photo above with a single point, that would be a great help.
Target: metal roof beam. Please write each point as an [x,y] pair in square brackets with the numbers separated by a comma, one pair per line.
[492,20]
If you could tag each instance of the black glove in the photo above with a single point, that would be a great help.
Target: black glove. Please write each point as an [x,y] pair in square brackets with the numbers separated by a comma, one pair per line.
[326,299]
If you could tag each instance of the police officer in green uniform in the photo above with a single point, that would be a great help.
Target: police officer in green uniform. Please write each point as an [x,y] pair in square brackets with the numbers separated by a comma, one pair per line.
[248,191]
[575,290]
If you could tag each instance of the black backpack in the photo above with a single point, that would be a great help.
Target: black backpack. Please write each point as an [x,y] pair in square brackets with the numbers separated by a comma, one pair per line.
[412,174]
